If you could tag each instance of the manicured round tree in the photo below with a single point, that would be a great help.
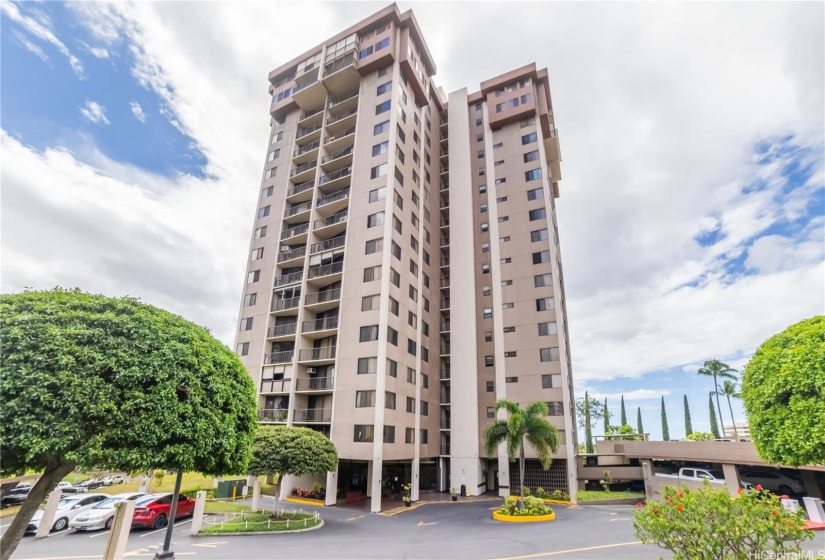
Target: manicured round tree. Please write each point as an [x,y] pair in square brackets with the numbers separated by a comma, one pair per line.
[97,382]
[783,389]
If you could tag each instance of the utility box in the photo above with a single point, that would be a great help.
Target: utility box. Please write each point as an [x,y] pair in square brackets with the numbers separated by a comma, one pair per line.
[226,487]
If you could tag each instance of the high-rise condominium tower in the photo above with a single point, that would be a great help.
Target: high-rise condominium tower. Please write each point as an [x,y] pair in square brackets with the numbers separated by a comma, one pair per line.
[404,269]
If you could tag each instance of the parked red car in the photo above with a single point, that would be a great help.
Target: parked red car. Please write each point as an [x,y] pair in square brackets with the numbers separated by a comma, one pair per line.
[153,511]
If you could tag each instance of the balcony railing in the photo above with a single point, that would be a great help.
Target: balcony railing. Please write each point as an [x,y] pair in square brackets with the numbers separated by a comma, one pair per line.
[347,132]
[445,261]
[445,326]
[339,64]
[333,197]
[303,167]
[445,282]
[300,187]
[322,297]
[445,396]
[314,384]
[308,148]
[312,112]
[445,423]
[445,448]
[310,354]
[312,415]
[293,231]
[325,270]
[331,220]
[283,304]
[323,324]
[445,348]
[297,209]
[445,303]
[346,97]
[307,131]
[340,116]
[293,254]
[336,155]
[444,373]
[272,415]
[304,85]
[290,278]
[279,357]
[445,223]
[445,168]
[281,330]
[329,244]
[275,385]
[335,175]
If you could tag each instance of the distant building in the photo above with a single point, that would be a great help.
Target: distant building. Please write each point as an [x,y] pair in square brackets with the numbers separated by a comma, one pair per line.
[741,427]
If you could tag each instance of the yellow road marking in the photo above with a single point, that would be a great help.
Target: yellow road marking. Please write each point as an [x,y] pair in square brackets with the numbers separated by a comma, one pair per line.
[422,524]
[206,545]
[569,551]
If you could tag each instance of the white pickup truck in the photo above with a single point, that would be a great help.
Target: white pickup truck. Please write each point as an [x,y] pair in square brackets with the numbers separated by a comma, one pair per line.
[687,473]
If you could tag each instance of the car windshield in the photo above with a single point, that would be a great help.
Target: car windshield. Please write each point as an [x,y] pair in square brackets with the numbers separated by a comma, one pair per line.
[67,503]
[107,503]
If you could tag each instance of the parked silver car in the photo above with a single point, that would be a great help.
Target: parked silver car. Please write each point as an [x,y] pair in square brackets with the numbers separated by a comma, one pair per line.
[102,515]
[67,509]
[774,481]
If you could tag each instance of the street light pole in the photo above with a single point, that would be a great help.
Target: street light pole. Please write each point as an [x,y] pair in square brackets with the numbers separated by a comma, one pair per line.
[166,554]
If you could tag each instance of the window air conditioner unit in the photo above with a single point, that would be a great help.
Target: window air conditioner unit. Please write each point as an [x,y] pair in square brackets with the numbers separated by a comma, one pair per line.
[311,370]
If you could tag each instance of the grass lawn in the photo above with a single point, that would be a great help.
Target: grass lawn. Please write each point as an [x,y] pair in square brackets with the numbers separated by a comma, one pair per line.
[263,523]
[190,480]
[222,506]
[9,511]
[590,495]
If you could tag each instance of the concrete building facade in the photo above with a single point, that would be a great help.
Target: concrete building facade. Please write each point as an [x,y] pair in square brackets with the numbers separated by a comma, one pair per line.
[404,268]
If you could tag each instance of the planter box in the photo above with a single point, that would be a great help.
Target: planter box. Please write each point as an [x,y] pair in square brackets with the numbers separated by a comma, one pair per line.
[523,518]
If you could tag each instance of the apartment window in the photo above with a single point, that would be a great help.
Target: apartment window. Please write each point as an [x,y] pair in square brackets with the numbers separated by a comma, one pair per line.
[364,433]
[528,122]
[488,361]
[401,114]
[381,148]
[381,128]
[526,98]
[378,194]
[532,175]
[424,438]
[511,354]
[392,368]
[511,379]
[257,254]
[509,329]
[368,333]
[399,201]
[409,435]
[395,278]
[541,257]
[393,306]
[485,291]
[399,154]
[253,276]
[374,246]
[384,88]
[478,106]
[425,327]
[501,199]
[413,268]
[506,282]
[490,386]
[497,146]
[425,381]
[242,349]
[414,243]
[426,304]
[415,198]
[367,365]
[504,239]
[246,324]
[549,354]
[385,106]
[546,329]
[508,305]
[498,162]
[538,235]
[504,219]
[401,134]
[413,293]
[485,227]
[392,337]
[260,232]
[378,171]
[386,69]
[535,194]
[396,250]
[382,44]
[482,189]
[488,313]
[541,280]
[551,381]
[277,137]
[478,122]
[396,223]
[545,304]
[425,408]
[372,273]
[482,208]
[267,192]
[376,219]
[491,412]
[270,173]
[480,154]
[364,53]
[364,399]
[414,220]
[531,156]
[389,400]
[250,300]
[412,347]
[425,354]
[369,303]
[506,260]
[411,405]
[537,214]
[273,154]
[485,247]
[529,138]
[263,212]
[500,181]
[485,269]
[482,171]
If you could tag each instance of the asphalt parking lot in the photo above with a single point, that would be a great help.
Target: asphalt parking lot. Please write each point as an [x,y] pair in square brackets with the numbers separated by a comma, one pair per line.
[444,530]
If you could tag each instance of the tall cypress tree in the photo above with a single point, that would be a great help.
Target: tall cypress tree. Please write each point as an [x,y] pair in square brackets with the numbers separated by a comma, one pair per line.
[606,417]
[624,414]
[665,431]
[688,425]
[639,428]
[588,446]
[714,426]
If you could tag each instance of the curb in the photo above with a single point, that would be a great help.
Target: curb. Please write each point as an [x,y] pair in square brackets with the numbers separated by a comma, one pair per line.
[523,518]
[305,501]
[261,533]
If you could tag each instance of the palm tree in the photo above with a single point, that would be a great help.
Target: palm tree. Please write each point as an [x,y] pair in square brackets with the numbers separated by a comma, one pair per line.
[729,389]
[522,424]
[715,369]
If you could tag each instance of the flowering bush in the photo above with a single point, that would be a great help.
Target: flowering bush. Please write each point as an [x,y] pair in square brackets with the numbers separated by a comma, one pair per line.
[707,524]
[532,506]
[311,494]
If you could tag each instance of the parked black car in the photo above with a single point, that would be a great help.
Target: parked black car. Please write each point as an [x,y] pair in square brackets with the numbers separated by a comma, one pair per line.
[15,497]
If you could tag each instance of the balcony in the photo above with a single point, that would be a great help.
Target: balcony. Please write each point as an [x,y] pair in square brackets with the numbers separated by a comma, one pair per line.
[445,448]
[284,304]
[445,282]
[336,141]
[321,301]
[300,192]
[444,373]
[324,324]
[445,423]
[314,384]
[273,415]
[329,245]
[331,225]
[309,94]
[345,102]
[341,75]
[298,211]
[303,172]
[281,330]
[342,120]
[445,169]
[445,349]
[445,396]
[287,279]
[333,202]
[445,303]
[279,357]
[296,235]
[310,133]
[275,386]
[294,254]
[336,178]
[337,159]
[312,415]
[311,117]
[445,241]
[325,270]
[305,153]
[445,223]
[445,326]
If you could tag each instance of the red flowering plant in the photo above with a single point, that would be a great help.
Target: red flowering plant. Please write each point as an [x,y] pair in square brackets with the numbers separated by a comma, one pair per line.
[708,524]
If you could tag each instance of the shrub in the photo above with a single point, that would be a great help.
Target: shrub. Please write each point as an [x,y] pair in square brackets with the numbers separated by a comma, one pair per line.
[540,493]
[708,524]
[311,494]
[700,436]
[532,507]
[560,495]
[192,492]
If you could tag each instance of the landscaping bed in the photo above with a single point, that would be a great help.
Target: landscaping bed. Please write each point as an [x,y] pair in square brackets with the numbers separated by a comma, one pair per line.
[264,522]
[535,510]
[598,497]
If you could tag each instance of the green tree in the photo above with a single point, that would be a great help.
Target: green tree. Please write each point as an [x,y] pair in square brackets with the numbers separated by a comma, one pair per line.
[286,450]
[783,389]
[588,407]
[624,414]
[688,424]
[714,426]
[729,389]
[639,427]
[717,369]
[522,424]
[700,436]
[665,431]
[606,416]
[624,431]
[96,382]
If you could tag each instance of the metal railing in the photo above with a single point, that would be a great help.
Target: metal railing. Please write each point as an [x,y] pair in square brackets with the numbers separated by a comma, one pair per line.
[339,64]
[340,116]
[329,244]
[290,278]
[332,197]
[279,357]
[300,187]
[323,297]
[337,155]
[445,396]
[303,167]
[307,131]
[303,85]
[445,282]
[331,220]
[281,330]
[275,385]
[310,354]
[445,223]
[297,209]
[445,448]
[323,324]
[293,231]
[314,384]
[282,304]
[445,348]
[445,303]
[312,113]
[345,97]
[306,148]
[444,373]
[273,414]
[307,415]
[445,423]
[445,326]
[335,175]
[347,132]
[325,270]
[293,254]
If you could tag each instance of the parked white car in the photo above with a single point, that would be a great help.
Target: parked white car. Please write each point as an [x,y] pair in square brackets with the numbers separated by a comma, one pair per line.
[67,509]
[62,485]
[101,515]
[774,481]
[116,479]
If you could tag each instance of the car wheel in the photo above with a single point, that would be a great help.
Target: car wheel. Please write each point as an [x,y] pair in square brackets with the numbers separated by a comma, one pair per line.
[785,490]
[160,522]
[109,522]
[60,524]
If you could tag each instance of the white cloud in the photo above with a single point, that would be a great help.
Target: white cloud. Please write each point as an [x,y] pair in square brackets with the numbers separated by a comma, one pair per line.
[137,111]
[99,52]
[95,113]
[634,395]
[38,26]
[29,46]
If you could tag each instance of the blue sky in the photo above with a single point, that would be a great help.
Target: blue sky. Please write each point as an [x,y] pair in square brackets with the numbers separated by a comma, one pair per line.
[692,209]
